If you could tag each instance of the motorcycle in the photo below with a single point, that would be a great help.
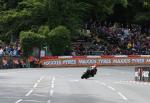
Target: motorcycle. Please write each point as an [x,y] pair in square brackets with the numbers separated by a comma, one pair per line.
[89,73]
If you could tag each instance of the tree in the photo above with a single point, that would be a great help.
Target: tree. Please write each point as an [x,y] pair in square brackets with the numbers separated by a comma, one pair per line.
[59,40]
[65,12]
[44,30]
[101,9]
[29,40]
[143,12]
[25,15]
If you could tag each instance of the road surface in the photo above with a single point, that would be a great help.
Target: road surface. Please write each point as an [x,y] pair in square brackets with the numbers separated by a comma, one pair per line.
[63,85]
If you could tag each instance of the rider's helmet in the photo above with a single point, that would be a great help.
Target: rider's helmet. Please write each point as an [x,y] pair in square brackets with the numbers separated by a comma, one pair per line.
[95,65]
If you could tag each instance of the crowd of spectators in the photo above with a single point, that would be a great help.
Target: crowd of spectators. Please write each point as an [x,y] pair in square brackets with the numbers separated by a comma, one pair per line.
[10,50]
[10,56]
[115,39]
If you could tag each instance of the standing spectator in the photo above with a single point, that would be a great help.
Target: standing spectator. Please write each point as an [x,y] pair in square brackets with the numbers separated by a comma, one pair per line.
[1,51]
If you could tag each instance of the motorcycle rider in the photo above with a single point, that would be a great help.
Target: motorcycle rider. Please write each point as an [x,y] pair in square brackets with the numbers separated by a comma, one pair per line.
[92,70]
[88,71]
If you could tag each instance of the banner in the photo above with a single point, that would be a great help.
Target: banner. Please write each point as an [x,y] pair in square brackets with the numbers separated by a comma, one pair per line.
[101,61]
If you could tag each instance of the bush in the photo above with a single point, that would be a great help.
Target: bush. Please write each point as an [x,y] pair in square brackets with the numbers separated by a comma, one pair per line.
[29,40]
[59,40]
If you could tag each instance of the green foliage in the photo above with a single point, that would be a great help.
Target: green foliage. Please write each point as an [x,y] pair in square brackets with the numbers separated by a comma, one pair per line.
[101,9]
[22,17]
[29,40]
[146,4]
[143,17]
[11,15]
[44,30]
[59,40]
[65,12]
[5,38]
[141,10]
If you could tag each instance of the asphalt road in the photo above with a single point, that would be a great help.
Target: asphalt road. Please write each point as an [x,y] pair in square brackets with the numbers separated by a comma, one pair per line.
[63,85]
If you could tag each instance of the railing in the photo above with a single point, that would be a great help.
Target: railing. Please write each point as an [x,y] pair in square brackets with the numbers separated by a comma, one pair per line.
[12,62]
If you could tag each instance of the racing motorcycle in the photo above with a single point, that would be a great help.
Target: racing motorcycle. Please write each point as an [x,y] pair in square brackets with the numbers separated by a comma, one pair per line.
[89,73]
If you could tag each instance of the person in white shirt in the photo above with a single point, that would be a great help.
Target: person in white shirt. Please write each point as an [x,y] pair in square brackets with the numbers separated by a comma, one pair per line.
[1,51]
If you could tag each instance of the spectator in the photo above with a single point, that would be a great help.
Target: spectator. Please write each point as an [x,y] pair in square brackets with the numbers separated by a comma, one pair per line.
[121,39]
[1,51]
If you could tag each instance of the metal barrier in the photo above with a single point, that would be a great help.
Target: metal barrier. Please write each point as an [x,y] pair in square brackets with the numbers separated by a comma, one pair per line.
[12,62]
[142,74]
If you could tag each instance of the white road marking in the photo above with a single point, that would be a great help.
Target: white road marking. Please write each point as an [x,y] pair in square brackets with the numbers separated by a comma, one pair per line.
[32,101]
[39,95]
[40,79]
[52,86]
[52,82]
[51,92]
[133,82]
[49,101]
[113,89]
[18,101]
[103,84]
[119,93]
[29,92]
[35,85]
[53,79]
[122,96]
[7,73]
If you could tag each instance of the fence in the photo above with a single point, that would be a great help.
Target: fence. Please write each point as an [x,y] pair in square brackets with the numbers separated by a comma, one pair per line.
[12,62]
[75,61]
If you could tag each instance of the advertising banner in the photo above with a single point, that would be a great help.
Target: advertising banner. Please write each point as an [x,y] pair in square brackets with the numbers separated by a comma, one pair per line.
[101,61]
